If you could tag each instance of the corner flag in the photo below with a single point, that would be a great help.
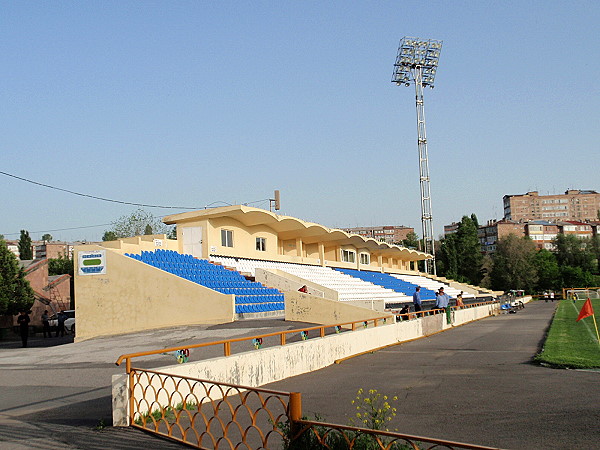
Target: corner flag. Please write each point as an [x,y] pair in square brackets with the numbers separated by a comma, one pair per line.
[586,310]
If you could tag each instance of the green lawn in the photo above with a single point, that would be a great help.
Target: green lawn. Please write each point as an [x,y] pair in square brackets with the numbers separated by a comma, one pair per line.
[569,343]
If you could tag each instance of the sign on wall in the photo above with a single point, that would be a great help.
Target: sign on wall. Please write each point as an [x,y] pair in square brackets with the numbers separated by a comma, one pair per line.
[92,263]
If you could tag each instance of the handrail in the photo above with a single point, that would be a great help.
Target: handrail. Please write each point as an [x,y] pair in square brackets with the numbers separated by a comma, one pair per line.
[227,342]
[425,312]
[411,438]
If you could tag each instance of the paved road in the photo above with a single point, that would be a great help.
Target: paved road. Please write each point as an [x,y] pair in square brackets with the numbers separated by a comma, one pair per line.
[57,394]
[474,383]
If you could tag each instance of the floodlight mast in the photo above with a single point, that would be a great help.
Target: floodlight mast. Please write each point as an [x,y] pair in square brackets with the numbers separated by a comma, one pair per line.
[417,62]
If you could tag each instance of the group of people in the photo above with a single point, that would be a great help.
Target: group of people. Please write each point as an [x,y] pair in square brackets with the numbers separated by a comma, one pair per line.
[442,300]
[23,321]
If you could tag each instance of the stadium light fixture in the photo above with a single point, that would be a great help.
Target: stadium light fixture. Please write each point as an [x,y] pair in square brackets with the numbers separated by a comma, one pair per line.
[416,62]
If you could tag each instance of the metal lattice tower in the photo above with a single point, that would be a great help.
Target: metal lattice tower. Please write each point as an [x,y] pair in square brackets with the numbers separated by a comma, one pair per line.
[417,62]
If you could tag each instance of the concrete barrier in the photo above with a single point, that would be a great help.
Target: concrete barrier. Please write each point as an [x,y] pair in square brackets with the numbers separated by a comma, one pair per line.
[259,367]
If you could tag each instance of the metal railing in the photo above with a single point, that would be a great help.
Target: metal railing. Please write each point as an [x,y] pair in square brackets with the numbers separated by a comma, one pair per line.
[321,435]
[434,311]
[305,333]
[208,414]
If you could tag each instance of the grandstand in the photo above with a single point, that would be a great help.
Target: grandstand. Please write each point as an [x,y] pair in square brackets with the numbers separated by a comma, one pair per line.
[210,273]
[250,297]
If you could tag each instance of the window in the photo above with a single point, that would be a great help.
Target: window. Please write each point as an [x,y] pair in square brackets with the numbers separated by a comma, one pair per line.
[348,256]
[227,238]
[365,258]
[261,244]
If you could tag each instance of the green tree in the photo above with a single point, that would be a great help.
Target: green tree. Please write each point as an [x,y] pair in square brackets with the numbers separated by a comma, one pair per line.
[148,230]
[575,252]
[25,249]
[61,265]
[136,224]
[411,241]
[447,257]
[15,292]
[468,250]
[109,236]
[549,277]
[514,266]
[47,237]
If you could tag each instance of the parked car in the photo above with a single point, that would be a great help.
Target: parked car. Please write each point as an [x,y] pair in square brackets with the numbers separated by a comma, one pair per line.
[69,321]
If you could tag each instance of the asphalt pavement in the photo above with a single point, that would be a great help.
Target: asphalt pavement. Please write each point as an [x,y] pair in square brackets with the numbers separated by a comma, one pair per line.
[475,383]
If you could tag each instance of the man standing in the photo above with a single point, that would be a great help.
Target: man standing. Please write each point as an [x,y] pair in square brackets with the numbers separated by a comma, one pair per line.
[441,299]
[417,299]
[23,321]
[46,324]
[61,317]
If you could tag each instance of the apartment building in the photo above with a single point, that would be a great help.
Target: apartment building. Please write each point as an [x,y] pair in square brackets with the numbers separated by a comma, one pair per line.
[577,205]
[490,233]
[542,233]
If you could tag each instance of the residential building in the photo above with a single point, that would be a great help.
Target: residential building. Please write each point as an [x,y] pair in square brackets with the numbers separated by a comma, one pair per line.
[389,234]
[494,230]
[52,250]
[579,229]
[542,233]
[579,205]
[452,228]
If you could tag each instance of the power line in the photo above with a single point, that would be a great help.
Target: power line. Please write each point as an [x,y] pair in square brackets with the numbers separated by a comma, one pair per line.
[63,229]
[95,197]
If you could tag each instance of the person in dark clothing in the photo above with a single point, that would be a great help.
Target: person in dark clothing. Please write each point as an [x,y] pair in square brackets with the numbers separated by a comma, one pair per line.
[23,321]
[46,324]
[60,318]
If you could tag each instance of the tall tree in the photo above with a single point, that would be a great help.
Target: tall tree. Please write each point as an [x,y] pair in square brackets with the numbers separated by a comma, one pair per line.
[469,250]
[15,292]
[136,224]
[47,237]
[514,266]
[547,270]
[411,241]
[25,249]
[575,252]
[447,257]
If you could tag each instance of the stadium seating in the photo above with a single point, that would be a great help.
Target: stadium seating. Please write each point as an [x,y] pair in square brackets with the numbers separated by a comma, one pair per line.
[250,297]
[348,287]
[390,282]
[432,285]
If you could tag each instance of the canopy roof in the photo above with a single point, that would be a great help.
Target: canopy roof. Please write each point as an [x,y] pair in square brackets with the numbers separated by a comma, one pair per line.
[291,228]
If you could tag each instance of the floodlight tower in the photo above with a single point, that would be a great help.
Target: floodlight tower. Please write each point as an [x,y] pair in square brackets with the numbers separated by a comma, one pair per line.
[417,62]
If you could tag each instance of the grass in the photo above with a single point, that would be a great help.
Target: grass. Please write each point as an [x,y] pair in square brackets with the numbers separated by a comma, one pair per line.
[572,344]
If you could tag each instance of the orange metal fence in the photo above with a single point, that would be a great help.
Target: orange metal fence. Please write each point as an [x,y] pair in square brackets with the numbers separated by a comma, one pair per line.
[207,414]
[281,338]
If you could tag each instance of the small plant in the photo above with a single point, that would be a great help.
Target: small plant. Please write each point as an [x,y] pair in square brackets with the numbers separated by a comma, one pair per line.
[373,410]
[101,425]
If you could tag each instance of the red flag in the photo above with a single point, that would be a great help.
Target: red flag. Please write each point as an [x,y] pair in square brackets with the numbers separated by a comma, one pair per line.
[586,310]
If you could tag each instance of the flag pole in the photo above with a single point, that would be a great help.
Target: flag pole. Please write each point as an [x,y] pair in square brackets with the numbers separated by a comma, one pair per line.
[596,326]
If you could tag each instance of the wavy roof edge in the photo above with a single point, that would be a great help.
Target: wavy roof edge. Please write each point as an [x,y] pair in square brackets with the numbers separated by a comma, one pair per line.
[250,216]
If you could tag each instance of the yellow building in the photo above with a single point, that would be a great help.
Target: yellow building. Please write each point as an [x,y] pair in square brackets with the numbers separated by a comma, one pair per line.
[246,232]
[117,292]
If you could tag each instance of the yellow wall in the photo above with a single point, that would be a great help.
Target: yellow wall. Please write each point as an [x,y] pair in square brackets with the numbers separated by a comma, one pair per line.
[301,307]
[134,296]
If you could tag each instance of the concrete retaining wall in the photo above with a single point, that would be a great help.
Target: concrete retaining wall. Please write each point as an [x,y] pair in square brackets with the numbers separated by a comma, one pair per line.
[259,367]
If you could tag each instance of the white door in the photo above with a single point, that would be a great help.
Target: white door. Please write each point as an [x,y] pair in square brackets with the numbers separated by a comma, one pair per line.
[192,241]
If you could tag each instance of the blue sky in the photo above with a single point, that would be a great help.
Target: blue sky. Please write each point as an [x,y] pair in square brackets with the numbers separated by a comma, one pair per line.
[188,103]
